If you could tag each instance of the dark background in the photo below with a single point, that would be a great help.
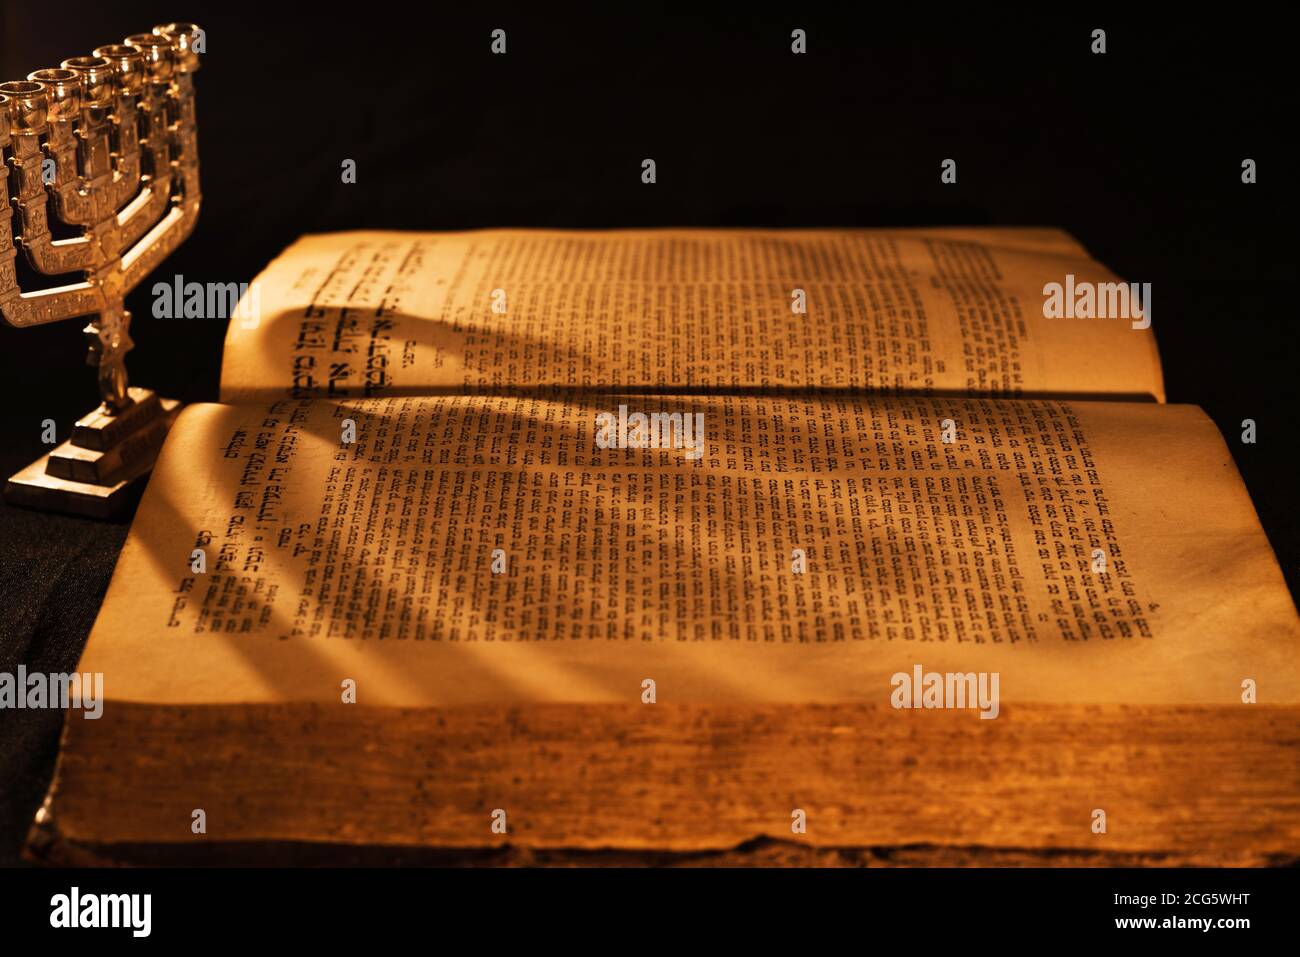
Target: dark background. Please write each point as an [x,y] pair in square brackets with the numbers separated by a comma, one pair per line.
[1136,152]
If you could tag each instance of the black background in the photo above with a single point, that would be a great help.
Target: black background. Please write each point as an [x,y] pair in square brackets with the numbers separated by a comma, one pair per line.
[1136,152]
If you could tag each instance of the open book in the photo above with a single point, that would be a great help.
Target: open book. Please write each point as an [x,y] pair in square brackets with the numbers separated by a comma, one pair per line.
[666,542]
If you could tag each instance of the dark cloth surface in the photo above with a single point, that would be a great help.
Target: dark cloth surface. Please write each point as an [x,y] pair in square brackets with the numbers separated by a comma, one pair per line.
[53,572]
[1137,153]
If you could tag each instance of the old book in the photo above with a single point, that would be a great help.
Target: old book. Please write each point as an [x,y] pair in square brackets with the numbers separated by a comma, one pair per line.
[591,547]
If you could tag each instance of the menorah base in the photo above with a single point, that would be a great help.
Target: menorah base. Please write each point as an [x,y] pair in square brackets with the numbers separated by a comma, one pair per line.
[96,471]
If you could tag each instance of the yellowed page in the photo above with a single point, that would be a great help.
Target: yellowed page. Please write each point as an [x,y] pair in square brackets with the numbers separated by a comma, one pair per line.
[376,561]
[936,311]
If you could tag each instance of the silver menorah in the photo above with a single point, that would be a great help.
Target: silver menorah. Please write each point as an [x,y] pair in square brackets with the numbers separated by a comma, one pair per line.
[108,143]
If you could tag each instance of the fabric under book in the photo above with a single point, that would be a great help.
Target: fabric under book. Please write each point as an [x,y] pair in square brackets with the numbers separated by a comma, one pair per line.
[458,602]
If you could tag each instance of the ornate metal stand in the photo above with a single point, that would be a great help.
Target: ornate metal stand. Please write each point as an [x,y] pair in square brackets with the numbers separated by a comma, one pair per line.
[108,142]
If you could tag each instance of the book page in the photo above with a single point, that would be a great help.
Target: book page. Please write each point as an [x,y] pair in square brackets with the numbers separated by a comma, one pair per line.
[928,311]
[445,550]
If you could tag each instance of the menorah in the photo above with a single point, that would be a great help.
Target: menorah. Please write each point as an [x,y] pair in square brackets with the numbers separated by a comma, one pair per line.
[109,142]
